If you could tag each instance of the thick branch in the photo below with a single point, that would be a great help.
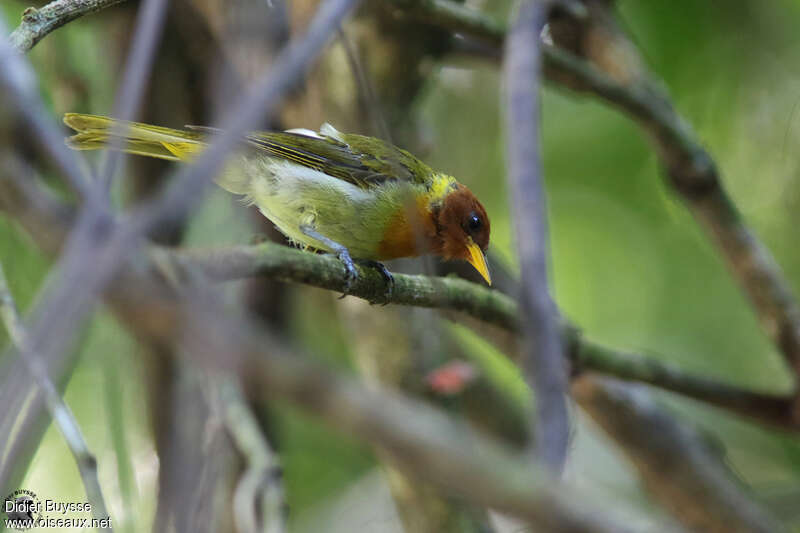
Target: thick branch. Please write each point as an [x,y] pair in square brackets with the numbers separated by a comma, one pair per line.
[37,23]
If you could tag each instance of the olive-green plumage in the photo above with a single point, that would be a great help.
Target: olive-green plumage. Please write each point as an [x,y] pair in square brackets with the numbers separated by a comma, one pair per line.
[326,190]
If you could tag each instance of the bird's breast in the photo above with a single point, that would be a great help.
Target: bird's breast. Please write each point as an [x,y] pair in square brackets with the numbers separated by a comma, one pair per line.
[410,231]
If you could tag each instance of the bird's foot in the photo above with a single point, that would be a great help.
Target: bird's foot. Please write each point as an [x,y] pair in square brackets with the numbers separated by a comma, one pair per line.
[350,272]
[387,276]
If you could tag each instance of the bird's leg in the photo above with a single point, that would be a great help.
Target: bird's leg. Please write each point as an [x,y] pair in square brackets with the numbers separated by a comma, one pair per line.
[380,267]
[341,252]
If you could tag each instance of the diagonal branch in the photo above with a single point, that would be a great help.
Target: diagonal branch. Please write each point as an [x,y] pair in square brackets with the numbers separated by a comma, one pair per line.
[677,465]
[693,174]
[19,87]
[147,31]
[421,439]
[59,411]
[258,500]
[690,168]
[542,359]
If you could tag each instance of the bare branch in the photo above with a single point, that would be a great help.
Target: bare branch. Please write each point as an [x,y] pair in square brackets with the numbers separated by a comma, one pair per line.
[771,409]
[149,24]
[543,359]
[37,23]
[61,414]
[694,176]
[691,170]
[18,83]
[455,16]
[258,499]
[676,464]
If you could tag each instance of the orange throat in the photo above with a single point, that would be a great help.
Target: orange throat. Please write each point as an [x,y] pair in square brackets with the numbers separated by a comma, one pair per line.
[410,232]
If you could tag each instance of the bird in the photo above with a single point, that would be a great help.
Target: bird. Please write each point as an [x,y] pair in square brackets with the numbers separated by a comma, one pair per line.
[357,197]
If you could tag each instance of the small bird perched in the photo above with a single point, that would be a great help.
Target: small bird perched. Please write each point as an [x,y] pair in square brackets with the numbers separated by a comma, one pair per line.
[351,195]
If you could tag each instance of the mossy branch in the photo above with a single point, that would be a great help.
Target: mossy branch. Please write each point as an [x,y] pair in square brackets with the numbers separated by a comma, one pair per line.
[479,302]
[37,23]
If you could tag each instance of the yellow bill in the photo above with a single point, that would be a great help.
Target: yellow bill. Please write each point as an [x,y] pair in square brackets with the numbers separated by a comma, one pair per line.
[478,260]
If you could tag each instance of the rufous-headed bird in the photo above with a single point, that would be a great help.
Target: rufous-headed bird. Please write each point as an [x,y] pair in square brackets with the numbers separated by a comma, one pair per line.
[351,195]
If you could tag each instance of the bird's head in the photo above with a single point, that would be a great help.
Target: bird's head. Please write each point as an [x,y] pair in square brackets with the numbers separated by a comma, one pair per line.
[462,229]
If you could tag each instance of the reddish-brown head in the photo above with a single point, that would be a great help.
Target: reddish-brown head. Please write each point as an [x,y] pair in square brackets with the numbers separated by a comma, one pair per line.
[462,229]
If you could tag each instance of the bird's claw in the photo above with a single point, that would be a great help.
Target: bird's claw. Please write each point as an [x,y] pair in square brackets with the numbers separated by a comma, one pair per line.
[387,276]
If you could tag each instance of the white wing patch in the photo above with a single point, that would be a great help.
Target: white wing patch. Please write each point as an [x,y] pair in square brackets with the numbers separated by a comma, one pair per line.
[305,132]
[326,130]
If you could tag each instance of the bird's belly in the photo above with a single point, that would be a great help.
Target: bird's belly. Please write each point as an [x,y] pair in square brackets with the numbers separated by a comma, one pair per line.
[292,196]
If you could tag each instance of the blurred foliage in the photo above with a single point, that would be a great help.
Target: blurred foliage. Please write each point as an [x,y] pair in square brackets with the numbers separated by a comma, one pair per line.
[629,264]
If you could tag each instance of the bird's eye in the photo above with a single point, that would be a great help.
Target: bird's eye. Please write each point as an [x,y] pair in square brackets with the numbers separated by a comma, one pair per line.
[474,222]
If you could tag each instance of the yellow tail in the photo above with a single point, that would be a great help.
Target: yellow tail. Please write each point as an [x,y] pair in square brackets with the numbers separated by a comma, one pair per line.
[95,131]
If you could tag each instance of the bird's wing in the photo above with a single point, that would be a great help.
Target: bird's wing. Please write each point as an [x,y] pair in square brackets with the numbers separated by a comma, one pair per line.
[363,161]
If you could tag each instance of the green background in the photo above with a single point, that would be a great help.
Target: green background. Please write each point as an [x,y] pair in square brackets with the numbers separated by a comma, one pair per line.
[629,264]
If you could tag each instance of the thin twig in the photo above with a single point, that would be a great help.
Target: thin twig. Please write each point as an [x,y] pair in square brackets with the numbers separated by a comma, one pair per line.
[543,356]
[589,356]
[61,414]
[366,90]
[18,82]
[258,105]
[148,27]
[37,23]
[678,466]
[258,500]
